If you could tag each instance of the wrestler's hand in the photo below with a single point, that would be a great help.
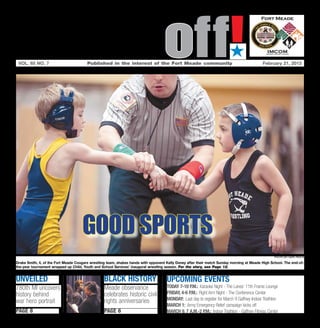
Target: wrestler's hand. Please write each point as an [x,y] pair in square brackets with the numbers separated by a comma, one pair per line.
[184,182]
[145,163]
[277,239]
[158,179]
[171,181]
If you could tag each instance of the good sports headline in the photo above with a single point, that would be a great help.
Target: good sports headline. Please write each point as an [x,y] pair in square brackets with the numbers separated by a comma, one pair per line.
[127,224]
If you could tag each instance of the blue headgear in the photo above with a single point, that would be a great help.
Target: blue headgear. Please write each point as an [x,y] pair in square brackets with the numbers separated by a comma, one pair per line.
[61,115]
[246,129]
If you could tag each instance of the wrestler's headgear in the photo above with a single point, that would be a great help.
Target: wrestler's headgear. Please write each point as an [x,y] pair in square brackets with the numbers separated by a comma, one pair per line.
[61,115]
[246,129]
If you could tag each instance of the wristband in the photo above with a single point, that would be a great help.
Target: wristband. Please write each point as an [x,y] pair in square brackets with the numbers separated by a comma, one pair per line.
[195,168]
[122,148]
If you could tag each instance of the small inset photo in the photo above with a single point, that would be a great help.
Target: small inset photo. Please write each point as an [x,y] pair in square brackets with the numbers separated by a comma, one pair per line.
[83,294]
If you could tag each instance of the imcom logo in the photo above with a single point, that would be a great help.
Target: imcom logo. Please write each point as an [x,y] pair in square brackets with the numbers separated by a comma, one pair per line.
[276,35]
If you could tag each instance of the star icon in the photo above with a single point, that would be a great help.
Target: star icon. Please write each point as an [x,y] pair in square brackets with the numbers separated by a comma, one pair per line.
[237,51]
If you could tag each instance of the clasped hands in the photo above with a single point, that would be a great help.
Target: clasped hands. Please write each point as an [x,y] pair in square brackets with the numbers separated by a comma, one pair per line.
[181,182]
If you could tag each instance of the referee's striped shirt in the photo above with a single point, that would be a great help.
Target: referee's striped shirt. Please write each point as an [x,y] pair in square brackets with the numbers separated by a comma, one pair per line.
[168,134]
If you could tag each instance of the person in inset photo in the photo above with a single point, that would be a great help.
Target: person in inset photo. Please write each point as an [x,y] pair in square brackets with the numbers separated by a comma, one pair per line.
[92,301]
[78,294]
[70,306]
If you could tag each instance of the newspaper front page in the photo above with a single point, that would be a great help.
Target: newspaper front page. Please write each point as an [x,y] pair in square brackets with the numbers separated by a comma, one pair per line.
[257,59]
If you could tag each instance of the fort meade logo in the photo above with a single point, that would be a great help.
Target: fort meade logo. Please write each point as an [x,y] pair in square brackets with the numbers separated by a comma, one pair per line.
[276,35]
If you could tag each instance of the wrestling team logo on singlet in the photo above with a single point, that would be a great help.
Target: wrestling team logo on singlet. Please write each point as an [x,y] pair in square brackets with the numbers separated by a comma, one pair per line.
[238,203]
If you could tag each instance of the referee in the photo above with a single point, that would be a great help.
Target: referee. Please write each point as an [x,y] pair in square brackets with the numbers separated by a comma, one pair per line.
[172,118]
